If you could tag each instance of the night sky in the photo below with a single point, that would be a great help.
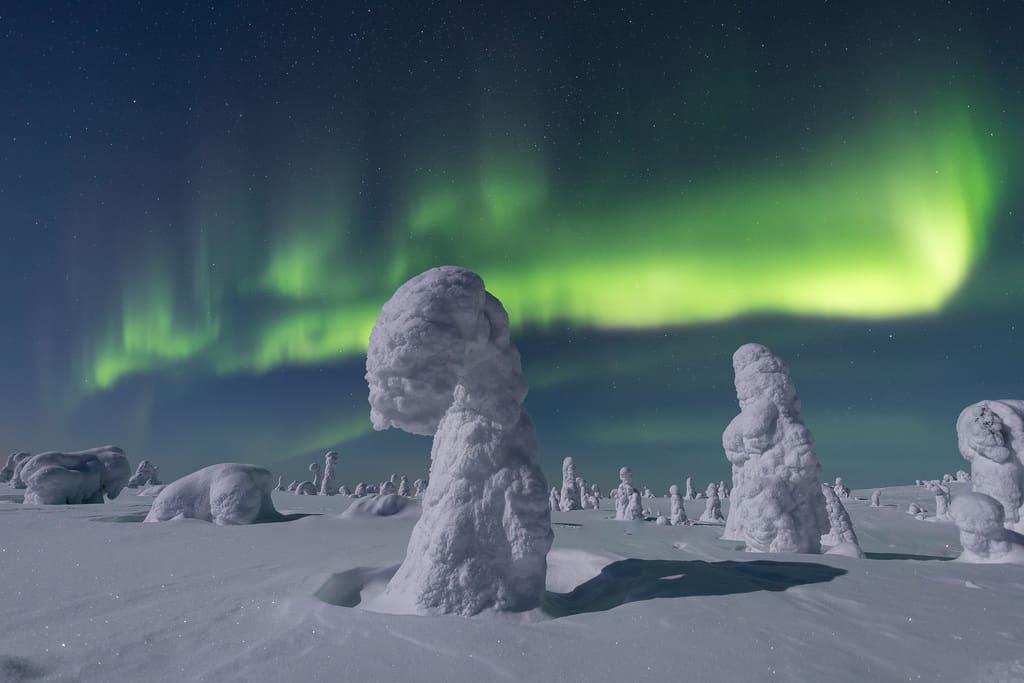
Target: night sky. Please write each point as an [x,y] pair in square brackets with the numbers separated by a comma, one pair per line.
[204,205]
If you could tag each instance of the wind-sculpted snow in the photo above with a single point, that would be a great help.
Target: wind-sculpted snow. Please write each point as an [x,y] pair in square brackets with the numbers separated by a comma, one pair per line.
[74,478]
[228,493]
[841,536]
[776,503]
[985,539]
[13,460]
[144,473]
[990,435]
[383,505]
[440,362]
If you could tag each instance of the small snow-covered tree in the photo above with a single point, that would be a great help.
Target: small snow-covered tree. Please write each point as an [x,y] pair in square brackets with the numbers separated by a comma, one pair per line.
[942,500]
[13,460]
[142,474]
[989,435]
[634,508]
[623,492]
[841,535]
[306,488]
[677,510]
[723,491]
[418,487]
[329,485]
[293,486]
[360,490]
[985,539]
[553,500]
[570,496]
[840,489]
[314,469]
[713,510]
[83,477]
[387,488]
[404,488]
[876,499]
[691,494]
[962,476]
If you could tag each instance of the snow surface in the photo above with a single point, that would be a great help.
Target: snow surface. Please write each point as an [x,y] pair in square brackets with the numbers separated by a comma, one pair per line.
[199,602]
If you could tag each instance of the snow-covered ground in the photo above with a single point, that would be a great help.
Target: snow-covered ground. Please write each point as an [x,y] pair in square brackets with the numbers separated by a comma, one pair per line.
[89,593]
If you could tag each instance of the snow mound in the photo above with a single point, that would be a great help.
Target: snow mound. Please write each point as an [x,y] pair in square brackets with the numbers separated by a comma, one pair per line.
[441,362]
[74,478]
[13,460]
[228,493]
[384,505]
[983,535]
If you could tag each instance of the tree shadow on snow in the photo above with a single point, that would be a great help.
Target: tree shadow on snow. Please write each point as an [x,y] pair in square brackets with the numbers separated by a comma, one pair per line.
[635,580]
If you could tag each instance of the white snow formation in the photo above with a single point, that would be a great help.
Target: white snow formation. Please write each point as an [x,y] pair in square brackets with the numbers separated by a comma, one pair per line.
[876,498]
[440,362]
[723,490]
[553,500]
[990,435]
[840,489]
[142,475]
[776,503]
[314,469]
[942,498]
[388,488]
[623,492]
[962,476]
[713,510]
[403,487]
[634,507]
[569,499]
[690,493]
[13,460]
[228,493]
[280,483]
[74,478]
[306,488]
[841,536]
[383,505]
[360,490]
[293,486]
[677,511]
[981,519]
[329,484]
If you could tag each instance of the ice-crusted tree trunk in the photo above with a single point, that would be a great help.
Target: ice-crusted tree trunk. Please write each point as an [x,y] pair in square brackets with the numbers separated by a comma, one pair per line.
[570,496]
[776,503]
[841,535]
[440,362]
[990,435]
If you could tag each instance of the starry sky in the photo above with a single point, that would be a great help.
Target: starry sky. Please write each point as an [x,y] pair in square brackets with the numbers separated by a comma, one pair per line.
[204,206]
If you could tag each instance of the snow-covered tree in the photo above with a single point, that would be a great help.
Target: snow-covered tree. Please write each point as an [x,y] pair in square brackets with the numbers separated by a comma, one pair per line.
[840,489]
[82,477]
[293,486]
[981,520]
[13,460]
[623,492]
[403,487]
[228,493]
[876,499]
[142,474]
[306,488]
[387,488]
[942,500]
[634,507]
[569,499]
[841,536]
[723,490]
[280,483]
[440,362]
[418,487]
[314,469]
[776,501]
[329,485]
[677,511]
[963,477]
[988,434]
[713,510]
[553,500]
[691,494]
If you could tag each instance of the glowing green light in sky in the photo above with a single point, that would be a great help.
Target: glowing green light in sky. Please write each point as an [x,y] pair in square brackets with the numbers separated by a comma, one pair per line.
[889,225]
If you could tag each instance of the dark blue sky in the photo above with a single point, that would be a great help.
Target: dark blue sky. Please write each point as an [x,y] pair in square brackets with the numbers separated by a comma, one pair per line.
[204,205]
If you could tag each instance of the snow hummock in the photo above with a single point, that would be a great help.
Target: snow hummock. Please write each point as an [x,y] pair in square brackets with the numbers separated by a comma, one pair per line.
[228,493]
[990,435]
[440,362]
[776,500]
[381,505]
[980,519]
[55,478]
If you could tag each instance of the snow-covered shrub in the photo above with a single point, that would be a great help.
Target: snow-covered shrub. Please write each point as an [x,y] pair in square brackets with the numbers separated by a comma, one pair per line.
[983,535]
[440,362]
[228,493]
[360,490]
[329,484]
[840,489]
[917,510]
[388,488]
[634,507]
[677,511]
[13,460]
[403,487]
[776,504]
[74,478]
[876,499]
[723,490]
[990,435]
[418,487]
[569,499]
[306,488]
[690,493]
[713,510]
[841,536]
[962,476]
[661,520]
[623,492]
[143,472]
[648,493]
[941,492]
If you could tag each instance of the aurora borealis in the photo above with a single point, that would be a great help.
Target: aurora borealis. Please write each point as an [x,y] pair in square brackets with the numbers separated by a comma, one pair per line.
[205,208]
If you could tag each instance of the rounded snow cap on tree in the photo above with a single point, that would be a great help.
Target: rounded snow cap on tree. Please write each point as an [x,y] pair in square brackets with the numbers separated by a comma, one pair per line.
[762,374]
[332,456]
[625,474]
[439,331]
[977,513]
[673,490]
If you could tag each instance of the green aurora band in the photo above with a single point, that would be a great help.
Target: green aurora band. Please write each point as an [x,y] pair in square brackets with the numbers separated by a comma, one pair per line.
[889,226]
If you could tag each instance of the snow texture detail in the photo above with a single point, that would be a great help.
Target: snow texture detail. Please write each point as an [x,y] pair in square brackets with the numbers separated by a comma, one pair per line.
[440,362]
[776,501]
[990,435]
[228,493]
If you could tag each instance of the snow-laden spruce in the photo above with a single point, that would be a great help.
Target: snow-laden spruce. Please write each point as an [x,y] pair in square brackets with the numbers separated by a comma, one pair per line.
[776,504]
[990,435]
[569,499]
[713,510]
[634,507]
[329,483]
[228,493]
[690,493]
[840,489]
[554,502]
[841,536]
[983,535]
[143,474]
[418,487]
[13,460]
[677,511]
[440,362]
[942,499]
[403,487]
[623,492]
[74,478]
[876,499]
